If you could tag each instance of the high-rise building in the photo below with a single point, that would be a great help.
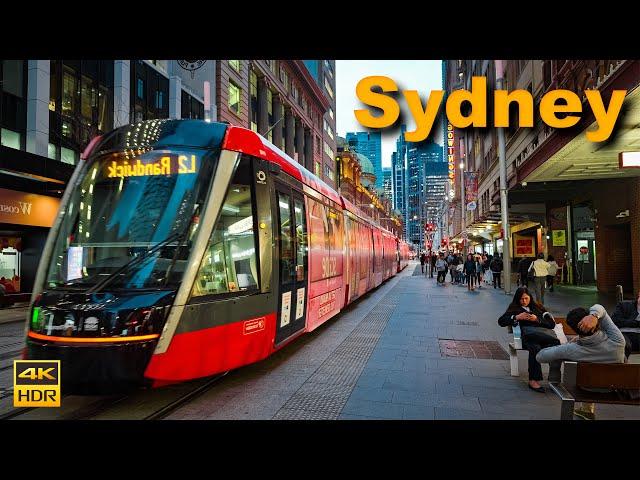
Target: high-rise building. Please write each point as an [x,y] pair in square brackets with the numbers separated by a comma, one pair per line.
[387,183]
[370,145]
[409,165]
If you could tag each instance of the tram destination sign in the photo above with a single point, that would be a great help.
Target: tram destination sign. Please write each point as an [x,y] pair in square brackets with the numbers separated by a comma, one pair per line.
[165,165]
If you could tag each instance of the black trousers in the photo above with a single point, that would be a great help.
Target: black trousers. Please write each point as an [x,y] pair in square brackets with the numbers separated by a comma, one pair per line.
[422,267]
[550,279]
[441,276]
[496,278]
[632,343]
[535,369]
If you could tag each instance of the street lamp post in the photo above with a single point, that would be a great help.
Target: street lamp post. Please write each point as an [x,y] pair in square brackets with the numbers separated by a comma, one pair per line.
[504,205]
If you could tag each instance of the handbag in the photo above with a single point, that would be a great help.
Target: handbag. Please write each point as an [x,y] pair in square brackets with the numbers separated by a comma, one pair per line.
[541,335]
[531,273]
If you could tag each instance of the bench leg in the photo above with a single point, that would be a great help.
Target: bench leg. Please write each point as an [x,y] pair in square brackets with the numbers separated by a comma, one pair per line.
[566,409]
[513,360]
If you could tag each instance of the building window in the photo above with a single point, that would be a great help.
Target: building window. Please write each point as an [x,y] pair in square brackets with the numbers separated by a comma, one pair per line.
[68,156]
[331,114]
[140,89]
[52,152]
[327,86]
[9,138]
[234,98]
[294,91]
[80,104]
[318,169]
[235,64]
[328,172]
[191,107]
[327,66]
[253,100]
[274,67]
[13,105]
[327,128]
[159,99]
[317,145]
[328,151]
[270,114]
[284,78]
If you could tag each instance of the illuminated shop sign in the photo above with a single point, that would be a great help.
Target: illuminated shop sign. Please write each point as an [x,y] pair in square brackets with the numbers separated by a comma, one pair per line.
[166,165]
[450,155]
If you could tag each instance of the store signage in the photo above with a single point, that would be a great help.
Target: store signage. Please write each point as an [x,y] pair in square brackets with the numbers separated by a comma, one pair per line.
[451,155]
[559,238]
[629,159]
[471,189]
[524,246]
[22,208]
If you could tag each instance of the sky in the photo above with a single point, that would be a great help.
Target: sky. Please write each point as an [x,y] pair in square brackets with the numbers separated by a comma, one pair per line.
[420,75]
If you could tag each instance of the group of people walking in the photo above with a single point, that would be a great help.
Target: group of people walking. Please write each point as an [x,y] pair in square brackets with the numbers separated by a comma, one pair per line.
[538,272]
[472,270]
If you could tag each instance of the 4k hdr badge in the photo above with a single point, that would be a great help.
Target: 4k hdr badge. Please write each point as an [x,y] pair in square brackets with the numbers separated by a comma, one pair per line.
[36,383]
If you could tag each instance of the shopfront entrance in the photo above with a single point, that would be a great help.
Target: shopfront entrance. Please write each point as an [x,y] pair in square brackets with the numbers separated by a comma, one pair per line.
[584,245]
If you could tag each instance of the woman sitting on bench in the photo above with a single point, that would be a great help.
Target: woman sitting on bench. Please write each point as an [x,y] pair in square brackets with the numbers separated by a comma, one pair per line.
[537,330]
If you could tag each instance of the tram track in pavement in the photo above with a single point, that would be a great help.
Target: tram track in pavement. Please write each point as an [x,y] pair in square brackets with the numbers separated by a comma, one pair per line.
[149,404]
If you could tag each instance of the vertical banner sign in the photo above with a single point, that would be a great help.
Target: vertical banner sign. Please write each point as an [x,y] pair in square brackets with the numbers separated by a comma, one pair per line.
[451,156]
[471,189]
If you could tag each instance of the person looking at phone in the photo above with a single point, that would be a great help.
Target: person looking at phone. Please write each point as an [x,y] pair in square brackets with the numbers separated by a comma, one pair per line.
[537,326]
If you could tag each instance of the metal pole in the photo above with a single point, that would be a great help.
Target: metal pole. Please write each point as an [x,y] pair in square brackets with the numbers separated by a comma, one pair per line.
[463,205]
[504,204]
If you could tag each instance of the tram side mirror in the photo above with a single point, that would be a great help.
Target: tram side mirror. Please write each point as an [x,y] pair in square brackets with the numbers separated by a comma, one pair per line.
[274,168]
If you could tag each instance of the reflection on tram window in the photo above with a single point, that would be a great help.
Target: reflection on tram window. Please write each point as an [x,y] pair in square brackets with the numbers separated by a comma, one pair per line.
[229,264]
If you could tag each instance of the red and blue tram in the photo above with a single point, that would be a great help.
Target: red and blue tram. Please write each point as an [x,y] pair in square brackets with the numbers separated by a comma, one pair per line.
[185,248]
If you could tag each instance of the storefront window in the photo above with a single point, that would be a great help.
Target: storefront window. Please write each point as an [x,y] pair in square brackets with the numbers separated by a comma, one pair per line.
[10,265]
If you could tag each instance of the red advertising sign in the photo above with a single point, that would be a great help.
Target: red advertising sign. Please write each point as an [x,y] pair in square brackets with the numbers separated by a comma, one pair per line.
[524,246]
[471,187]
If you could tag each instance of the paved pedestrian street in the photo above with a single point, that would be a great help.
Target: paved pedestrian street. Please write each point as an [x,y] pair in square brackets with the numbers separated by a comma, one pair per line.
[410,350]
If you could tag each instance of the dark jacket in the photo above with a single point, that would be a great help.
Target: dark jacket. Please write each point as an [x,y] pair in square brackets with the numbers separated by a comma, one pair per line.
[625,315]
[523,266]
[544,320]
[469,267]
[496,265]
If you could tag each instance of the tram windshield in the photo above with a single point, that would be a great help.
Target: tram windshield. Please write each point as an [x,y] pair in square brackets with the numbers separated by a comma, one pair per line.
[131,219]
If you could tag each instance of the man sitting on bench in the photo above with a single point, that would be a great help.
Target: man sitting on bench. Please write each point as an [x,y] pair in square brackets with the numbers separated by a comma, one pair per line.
[599,341]
[627,318]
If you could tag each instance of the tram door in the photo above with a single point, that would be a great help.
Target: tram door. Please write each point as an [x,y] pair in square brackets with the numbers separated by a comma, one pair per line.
[293,263]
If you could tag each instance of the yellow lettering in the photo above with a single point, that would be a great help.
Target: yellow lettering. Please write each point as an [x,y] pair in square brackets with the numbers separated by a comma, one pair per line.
[478,99]
[605,119]
[525,107]
[424,118]
[120,170]
[181,166]
[390,108]
[548,108]
[148,169]
[166,165]
[156,169]
[112,170]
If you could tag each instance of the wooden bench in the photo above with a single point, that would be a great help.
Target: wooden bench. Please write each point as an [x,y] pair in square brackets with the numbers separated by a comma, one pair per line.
[516,344]
[623,379]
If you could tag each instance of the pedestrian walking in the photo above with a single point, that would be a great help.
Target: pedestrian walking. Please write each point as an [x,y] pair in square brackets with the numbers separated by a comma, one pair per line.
[433,260]
[479,271]
[540,269]
[470,271]
[496,267]
[423,259]
[553,269]
[523,269]
[441,267]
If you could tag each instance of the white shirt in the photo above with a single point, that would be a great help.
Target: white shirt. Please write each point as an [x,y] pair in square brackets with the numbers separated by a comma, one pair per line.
[540,267]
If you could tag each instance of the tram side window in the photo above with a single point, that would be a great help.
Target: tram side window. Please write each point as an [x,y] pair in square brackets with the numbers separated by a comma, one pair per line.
[230,264]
